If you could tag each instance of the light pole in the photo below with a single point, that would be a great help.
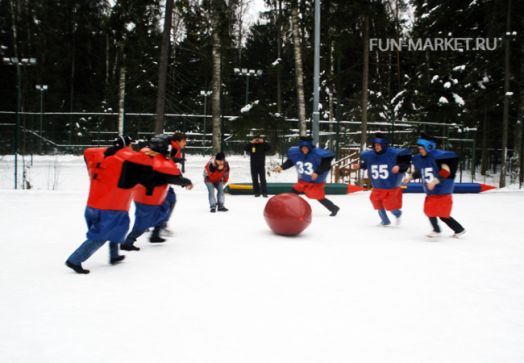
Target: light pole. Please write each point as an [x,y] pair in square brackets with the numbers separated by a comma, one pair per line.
[316,75]
[18,62]
[248,73]
[205,94]
[41,88]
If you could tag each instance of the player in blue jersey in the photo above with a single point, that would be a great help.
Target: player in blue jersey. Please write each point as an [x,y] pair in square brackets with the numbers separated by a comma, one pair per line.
[312,164]
[436,168]
[385,166]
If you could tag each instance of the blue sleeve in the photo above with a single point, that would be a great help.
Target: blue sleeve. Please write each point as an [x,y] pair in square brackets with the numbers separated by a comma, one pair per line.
[324,153]
[364,159]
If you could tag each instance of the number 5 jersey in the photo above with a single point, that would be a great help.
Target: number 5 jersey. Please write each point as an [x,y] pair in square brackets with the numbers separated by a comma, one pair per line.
[429,167]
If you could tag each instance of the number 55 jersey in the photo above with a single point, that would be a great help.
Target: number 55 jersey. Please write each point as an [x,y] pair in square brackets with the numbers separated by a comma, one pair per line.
[379,166]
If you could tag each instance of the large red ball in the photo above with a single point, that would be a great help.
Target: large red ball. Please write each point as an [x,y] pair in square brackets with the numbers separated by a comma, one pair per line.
[287,214]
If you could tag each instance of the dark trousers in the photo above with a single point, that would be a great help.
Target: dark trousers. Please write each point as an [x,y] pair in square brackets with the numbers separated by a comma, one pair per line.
[258,173]
[451,223]
[325,202]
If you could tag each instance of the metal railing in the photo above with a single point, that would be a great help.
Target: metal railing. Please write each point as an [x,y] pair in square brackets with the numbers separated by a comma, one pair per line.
[341,171]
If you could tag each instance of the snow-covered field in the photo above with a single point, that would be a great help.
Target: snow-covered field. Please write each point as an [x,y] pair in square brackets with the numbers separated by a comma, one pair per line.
[225,289]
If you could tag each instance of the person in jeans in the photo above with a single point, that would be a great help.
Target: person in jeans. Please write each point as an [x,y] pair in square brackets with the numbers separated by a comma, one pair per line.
[151,208]
[106,212]
[216,174]
[178,143]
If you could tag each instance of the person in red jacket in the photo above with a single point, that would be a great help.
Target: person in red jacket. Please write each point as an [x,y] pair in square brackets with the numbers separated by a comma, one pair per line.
[178,143]
[151,209]
[216,174]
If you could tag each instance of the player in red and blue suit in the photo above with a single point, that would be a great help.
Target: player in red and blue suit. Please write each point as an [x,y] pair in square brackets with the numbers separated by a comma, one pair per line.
[436,168]
[114,172]
[107,207]
[151,209]
[178,143]
[385,166]
[313,165]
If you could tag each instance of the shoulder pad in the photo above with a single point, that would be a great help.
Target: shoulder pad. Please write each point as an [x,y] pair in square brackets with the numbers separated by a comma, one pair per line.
[323,153]
[366,154]
[399,151]
[94,152]
[293,152]
[443,154]
[165,166]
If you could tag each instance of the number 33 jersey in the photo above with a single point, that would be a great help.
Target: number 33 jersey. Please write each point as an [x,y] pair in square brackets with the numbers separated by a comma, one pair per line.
[307,164]
[379,166]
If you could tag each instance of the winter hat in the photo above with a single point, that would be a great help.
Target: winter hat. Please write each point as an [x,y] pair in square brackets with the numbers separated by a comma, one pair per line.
[121,141]
[427,142]
[220,156]
[306,141]
[160,144]
[379,138]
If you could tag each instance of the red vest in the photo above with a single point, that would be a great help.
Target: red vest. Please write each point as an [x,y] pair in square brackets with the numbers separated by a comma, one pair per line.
[157,198]
[162,165]
[104,192]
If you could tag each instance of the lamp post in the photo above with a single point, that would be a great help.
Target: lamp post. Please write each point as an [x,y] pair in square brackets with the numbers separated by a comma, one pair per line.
[316,75]
[18,62]
[205,94]
[41,88]
[248,73]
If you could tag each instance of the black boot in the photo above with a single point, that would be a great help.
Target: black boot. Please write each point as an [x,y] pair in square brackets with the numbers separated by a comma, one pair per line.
[222,209]
[117,259]
[129,247]
[330,206]
[155,236]
[156,239]
[77,268]
[334,211]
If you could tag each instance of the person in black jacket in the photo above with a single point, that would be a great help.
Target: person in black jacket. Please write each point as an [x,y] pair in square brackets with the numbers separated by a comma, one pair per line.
[257,149]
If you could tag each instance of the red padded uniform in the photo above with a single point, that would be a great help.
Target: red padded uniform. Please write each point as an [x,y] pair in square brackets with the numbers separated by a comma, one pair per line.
[104,192]
[388,199]
[311,190]
[438,205]
[165,166]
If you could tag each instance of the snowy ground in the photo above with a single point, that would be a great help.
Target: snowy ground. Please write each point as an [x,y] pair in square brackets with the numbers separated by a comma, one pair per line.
[224,289]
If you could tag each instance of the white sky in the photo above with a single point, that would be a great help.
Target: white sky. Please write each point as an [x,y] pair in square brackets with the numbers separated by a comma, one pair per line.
[255,6]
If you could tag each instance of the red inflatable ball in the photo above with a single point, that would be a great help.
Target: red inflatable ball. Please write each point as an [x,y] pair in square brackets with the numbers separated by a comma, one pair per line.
[287,214]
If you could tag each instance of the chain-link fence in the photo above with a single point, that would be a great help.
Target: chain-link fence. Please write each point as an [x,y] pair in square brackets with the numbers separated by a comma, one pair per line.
[70,133]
